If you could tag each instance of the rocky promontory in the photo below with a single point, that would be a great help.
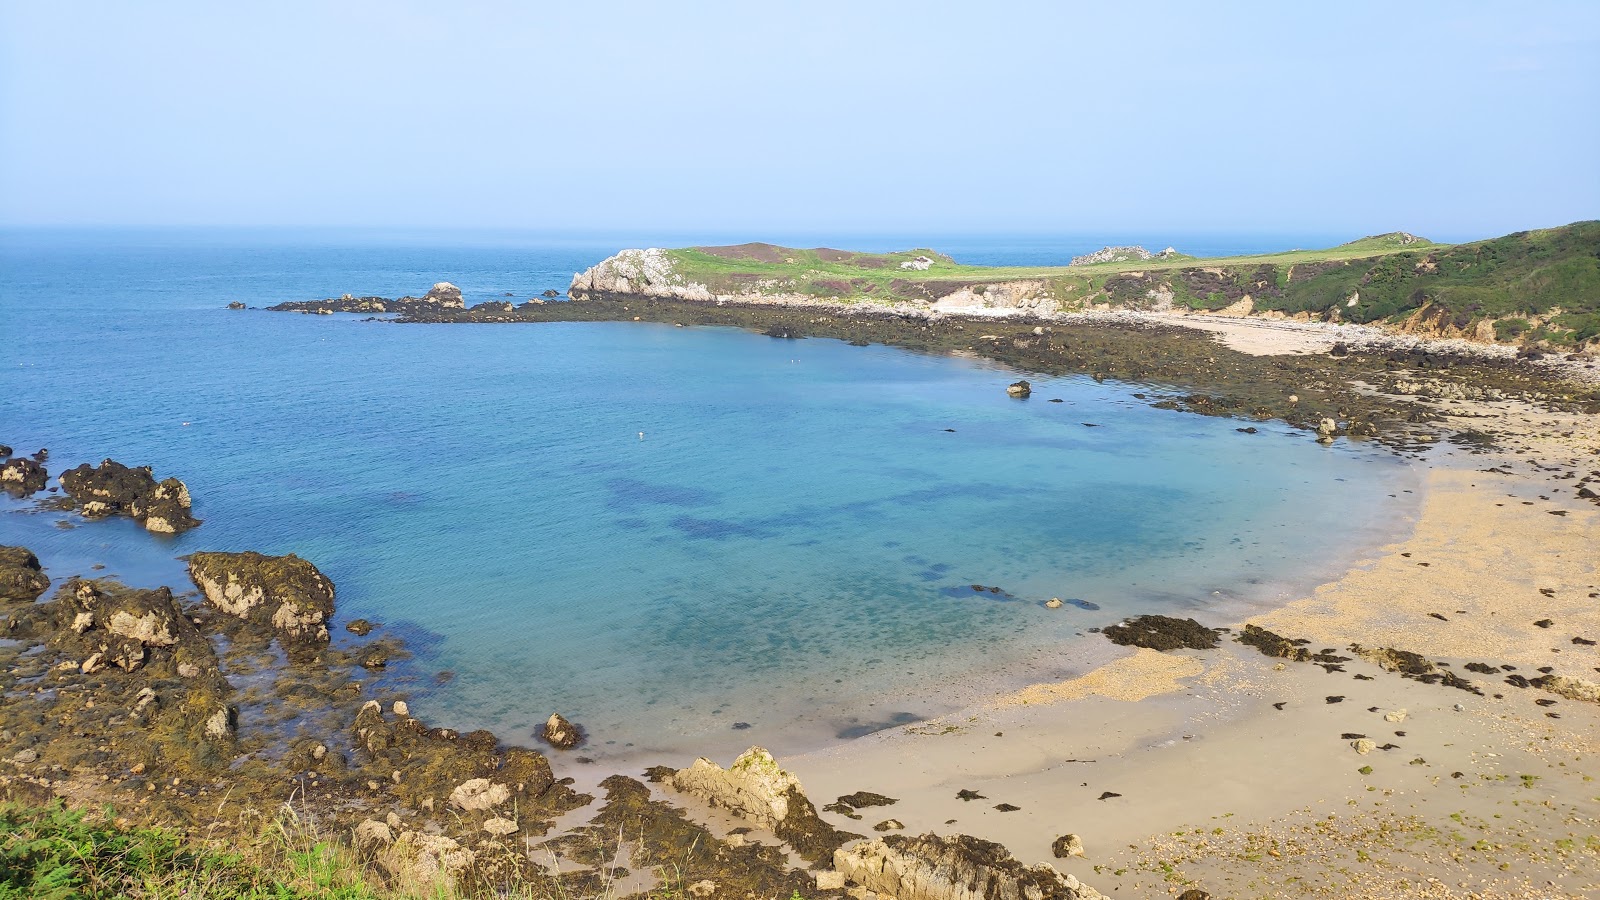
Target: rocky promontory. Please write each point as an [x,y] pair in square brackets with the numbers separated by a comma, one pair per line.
[113,489]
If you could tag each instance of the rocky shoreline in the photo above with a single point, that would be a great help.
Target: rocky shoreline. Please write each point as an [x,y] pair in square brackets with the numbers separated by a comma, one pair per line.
[209,710]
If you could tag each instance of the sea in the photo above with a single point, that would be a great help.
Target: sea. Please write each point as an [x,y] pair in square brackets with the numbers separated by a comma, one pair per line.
[687,540]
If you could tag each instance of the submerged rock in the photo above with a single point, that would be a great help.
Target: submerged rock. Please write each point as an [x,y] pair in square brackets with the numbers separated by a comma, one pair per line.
[22,476]
[757,789]
[961,867]
[284,593]
[21,576]
[1162,633]
[113,489]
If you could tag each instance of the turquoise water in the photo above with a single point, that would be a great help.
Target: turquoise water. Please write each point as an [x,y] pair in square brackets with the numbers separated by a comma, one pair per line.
[790,546]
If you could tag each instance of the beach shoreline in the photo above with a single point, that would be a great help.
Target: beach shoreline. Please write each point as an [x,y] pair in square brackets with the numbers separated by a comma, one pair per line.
[1158,761]
[1192,740]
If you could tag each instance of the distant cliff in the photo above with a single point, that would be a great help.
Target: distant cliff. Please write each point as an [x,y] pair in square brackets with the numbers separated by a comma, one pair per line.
[1537,288]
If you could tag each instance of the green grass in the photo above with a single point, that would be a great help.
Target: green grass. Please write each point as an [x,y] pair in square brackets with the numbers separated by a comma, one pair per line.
[51,853]
[1552,275]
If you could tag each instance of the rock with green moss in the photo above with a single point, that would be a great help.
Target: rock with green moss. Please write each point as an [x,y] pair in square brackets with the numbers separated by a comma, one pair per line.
[283,593]
[21,577]
[113,489]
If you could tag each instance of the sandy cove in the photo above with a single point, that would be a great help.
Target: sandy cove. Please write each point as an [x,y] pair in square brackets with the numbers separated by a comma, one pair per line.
[1236,772]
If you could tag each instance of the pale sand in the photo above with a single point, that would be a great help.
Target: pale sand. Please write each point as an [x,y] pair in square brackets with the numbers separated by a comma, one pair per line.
[1223,790]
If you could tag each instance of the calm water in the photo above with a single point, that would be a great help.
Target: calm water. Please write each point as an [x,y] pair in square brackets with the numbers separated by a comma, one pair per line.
[789,547]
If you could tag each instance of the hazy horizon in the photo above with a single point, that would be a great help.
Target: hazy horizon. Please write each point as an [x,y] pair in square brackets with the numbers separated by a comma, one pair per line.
[1455,122]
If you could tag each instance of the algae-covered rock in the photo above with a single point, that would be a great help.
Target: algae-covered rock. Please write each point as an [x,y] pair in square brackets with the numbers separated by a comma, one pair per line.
[756,788]
[1162,633]
[284,593]
[1019,389]
[21,577]
[22,476]
[1569,687]
[113,489]
[961,867]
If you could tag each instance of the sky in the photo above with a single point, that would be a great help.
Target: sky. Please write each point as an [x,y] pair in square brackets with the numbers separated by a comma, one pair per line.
[1454,120]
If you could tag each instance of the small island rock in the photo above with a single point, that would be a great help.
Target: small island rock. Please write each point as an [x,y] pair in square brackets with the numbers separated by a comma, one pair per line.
[112,489]
[560,734]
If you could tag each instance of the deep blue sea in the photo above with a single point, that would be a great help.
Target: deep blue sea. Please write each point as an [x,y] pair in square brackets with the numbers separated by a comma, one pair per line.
[790,546]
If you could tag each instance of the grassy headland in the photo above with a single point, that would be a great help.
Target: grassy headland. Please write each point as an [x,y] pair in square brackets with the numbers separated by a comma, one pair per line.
[1537,286]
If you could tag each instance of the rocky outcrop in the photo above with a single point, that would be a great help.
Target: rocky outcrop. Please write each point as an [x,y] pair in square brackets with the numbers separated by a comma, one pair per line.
[560,734]
[113,489]
[961,867]
[160,675]
[21,576]
[757,789]
[284,593]
[1121,254]
[647,272]
[444,294]
[22,476]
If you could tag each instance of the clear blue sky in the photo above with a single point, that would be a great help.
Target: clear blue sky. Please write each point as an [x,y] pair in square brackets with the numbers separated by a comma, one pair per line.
[1454,120]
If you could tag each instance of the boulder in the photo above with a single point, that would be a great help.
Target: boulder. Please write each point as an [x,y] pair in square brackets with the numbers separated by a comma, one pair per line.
[418,858]
[21,577]
[757,789]
[1067,845]
[961,867]
[560,734]
[479,794]
[22,476]
[1019,389]
[444,293]
[1569,687]
[113,489]
[236,305]
[284,593]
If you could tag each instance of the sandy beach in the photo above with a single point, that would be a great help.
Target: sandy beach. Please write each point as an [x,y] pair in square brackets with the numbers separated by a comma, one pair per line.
[1238,773]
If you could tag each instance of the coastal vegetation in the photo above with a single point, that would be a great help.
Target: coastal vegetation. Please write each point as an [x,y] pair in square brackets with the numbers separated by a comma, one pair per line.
[1532,286]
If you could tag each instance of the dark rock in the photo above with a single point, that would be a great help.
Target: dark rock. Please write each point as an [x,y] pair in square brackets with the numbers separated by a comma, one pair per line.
[360,627]
[375,658]
[1019,389]
[551,293]
[21,576]
[22,476]
[1194,894]
[1006,807]
[1109,794]
[113,489]
[965,794]
[5,451]
[1162,633]
[285,595]
[865,799]
[236,305]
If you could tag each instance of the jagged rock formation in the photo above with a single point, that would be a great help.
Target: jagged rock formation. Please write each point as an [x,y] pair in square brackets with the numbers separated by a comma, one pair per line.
[21,576]
[113,489]
[284,593]
[757,789]
[22,476]
[961,867]
[561,734]
[650,271]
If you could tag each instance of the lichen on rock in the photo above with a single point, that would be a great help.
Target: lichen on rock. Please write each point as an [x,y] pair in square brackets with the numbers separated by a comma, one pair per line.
[961,867]
[112,489]
[284,593]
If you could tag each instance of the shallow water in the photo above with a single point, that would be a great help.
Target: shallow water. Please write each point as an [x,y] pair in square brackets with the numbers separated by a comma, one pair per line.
[790,546]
